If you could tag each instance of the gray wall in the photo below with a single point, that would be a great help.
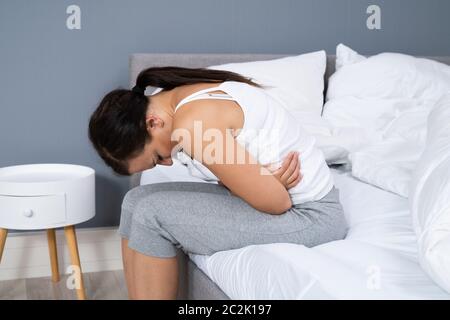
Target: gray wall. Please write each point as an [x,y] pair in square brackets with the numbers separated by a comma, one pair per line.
[52,78]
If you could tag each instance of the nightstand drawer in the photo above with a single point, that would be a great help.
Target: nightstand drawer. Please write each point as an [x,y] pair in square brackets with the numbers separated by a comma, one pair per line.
[32,212]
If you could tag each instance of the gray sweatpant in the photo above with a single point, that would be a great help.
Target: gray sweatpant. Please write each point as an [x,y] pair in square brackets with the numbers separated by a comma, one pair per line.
[203,218]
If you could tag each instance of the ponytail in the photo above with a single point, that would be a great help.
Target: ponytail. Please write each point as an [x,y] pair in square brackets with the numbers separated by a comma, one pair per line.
[169,78]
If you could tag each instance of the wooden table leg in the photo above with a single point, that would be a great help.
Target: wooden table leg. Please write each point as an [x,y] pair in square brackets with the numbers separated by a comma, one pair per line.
[3,234]
[75,258]
[53,252]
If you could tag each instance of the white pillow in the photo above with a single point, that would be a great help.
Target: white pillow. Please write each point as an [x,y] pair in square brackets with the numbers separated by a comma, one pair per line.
[346,56]
[368,94]
[296,81]
[387,75]
[378,104]
[430,197]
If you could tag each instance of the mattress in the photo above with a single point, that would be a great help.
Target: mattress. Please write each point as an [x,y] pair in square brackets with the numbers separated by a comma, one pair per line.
[377,260]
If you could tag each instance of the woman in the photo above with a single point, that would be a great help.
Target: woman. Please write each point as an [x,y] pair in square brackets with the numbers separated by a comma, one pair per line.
[225,127]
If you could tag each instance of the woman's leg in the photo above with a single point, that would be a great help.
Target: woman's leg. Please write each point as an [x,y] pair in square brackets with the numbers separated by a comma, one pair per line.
[127,259]
[203,219]
[128,206]
[154,278]
[161,275]
[163,271]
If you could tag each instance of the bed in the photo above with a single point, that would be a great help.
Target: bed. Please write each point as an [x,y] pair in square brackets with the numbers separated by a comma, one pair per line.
[377,260]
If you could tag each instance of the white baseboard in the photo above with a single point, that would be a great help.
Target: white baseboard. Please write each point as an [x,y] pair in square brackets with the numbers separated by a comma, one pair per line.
[26,254]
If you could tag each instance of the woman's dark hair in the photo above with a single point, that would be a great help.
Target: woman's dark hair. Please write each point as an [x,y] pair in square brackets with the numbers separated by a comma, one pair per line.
[117,128]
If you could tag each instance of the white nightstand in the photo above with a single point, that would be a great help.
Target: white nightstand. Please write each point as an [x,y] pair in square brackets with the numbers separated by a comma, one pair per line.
[47,196]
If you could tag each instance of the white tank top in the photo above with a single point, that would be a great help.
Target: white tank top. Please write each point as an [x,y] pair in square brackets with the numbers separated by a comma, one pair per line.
[269,133]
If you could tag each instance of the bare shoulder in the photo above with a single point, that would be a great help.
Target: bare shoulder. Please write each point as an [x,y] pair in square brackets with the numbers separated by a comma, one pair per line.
[212,113]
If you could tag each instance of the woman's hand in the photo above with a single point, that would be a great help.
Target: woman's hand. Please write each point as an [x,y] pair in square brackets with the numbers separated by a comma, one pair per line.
[289,173]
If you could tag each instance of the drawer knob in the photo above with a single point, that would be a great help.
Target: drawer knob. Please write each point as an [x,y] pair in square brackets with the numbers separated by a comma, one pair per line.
[28,213]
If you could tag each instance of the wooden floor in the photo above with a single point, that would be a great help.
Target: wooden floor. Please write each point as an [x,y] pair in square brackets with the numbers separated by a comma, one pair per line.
[105,285]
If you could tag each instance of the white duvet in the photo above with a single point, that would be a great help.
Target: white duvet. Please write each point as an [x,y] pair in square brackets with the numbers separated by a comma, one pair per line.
[430,197]
[398,107]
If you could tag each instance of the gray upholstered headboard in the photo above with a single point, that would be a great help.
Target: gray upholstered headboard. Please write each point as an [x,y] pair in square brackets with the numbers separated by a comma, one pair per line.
[140,61]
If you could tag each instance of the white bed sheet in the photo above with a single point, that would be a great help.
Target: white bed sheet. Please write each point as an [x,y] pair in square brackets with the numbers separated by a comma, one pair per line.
[377,260]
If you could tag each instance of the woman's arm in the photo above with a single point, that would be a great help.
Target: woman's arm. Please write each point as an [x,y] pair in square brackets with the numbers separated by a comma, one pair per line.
[247,179]
[288,173]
